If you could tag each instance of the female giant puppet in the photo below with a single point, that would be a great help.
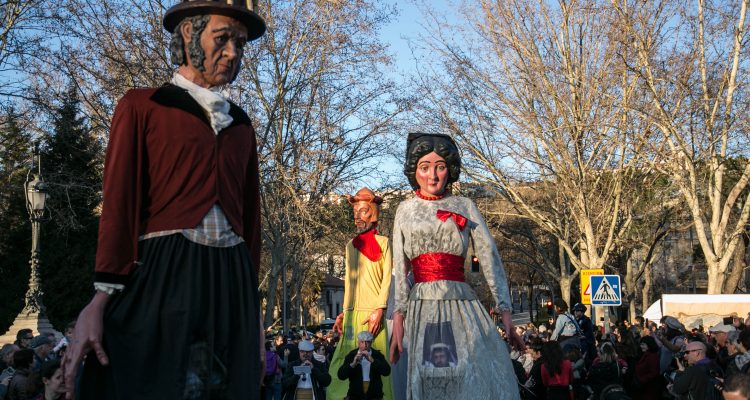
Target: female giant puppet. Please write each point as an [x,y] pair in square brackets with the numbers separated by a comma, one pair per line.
[454,348]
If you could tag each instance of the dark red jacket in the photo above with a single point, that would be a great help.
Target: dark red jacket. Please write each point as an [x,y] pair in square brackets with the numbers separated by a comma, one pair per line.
[165,168]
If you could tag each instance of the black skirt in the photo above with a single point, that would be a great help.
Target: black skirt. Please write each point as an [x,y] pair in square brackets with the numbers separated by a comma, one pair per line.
[185,327]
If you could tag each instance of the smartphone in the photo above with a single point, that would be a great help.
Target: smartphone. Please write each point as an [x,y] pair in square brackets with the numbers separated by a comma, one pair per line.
[728,320]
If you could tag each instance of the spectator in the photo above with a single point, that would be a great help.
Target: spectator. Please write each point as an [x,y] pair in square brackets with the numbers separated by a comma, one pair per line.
[573,354]
[739,356]
[606,370]
[534,388]
[19,384]
[364,367]
[719,334]
[273,374]
[287,351]
[670,337]
[6,354]
[737,387]
[738,323]
[52,378]
[565,326]
[321,354]
[695,380]
[648,380]
[305,385]
[557,372]
[42,348]
[637,328]
[62,345]
[23,338]
[584,322]
[627,349]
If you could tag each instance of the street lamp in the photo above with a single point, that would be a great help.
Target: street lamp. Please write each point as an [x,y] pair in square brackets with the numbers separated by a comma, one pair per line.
[36,196]
[33,316]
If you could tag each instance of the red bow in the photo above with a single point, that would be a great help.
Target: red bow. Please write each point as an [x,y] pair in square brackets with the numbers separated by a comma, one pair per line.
[459,219]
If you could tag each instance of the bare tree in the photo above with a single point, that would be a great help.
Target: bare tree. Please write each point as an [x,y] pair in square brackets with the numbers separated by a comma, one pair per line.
[538,97]
[691,65]
[316,84]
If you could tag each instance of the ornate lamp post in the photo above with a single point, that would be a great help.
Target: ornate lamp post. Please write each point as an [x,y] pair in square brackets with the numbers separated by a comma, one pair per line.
[33,315]
[36,195]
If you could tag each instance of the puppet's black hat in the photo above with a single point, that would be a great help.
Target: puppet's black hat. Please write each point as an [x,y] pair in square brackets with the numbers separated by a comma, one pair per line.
[241,10]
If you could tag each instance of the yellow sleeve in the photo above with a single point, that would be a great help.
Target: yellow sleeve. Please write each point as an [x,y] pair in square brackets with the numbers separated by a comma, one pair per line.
[348,287]
[385,285]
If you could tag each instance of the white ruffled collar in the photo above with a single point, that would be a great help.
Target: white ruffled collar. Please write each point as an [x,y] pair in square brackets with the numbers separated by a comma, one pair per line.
[211,100]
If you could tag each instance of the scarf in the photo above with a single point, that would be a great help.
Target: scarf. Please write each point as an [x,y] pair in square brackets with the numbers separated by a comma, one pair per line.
[210,100]
[366,243]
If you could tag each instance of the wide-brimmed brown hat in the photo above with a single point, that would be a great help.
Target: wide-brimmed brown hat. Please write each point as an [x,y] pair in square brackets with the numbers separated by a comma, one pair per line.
[241,10]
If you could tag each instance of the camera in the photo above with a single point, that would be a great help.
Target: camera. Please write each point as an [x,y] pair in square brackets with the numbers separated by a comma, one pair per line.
[679,355]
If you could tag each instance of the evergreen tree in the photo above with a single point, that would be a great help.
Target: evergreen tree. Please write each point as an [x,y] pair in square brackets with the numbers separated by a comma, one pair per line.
[71,166]
[15,235]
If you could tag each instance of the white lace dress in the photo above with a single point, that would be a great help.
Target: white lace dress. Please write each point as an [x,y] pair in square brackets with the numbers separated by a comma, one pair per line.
[455,350]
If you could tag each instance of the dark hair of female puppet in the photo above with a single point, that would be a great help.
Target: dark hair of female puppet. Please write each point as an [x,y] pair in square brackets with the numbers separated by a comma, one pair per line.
[420,144]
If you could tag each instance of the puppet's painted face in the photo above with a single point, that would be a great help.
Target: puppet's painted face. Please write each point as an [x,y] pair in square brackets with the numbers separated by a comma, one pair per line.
[222,41]
[432,174]
[364,216]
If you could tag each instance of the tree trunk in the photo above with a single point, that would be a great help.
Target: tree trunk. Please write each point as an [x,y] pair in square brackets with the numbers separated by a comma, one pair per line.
[738,267]
[273,283]
[565,283]
[715,278]
[646,290]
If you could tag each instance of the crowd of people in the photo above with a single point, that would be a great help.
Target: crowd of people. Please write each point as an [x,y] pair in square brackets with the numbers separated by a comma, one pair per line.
[574,359]
[30,366]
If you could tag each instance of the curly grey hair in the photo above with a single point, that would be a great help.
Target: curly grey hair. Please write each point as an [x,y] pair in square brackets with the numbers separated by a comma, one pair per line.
[195,51]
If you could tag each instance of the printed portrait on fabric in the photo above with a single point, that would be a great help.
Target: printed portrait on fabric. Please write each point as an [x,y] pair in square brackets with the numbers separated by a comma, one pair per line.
[439,350]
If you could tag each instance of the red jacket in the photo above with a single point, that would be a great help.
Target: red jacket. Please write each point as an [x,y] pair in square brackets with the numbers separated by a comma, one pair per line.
[165,168]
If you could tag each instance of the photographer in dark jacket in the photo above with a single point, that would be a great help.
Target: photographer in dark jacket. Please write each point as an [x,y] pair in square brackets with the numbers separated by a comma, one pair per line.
[364,367]
[697,380]
[308,385]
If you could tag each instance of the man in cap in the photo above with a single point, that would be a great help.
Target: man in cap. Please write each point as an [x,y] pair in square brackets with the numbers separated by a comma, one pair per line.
[42,346]
[305,378]
[720,332]
[179,234]
[366,287]
[670,337]
[364,368]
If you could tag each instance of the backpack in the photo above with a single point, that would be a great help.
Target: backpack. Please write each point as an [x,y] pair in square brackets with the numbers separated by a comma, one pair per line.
[614,392]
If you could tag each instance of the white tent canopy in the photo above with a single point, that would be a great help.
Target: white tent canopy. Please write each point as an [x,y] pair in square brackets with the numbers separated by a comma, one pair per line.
[653,313]
[708,308]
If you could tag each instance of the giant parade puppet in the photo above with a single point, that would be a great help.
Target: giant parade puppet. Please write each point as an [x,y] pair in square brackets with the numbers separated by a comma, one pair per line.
[367,285]
[179,236]
[455,351]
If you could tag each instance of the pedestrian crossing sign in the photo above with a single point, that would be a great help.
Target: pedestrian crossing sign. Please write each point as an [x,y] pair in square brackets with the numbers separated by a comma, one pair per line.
[605,290]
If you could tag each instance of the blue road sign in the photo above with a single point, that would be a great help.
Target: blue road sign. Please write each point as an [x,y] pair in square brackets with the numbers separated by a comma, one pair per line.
[605,290]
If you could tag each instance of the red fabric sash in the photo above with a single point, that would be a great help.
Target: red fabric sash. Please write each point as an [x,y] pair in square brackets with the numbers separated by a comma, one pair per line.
[430,267]
[366,243]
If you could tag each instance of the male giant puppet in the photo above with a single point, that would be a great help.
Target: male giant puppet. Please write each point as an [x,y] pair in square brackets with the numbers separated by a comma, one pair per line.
[179,235]
[367,284]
